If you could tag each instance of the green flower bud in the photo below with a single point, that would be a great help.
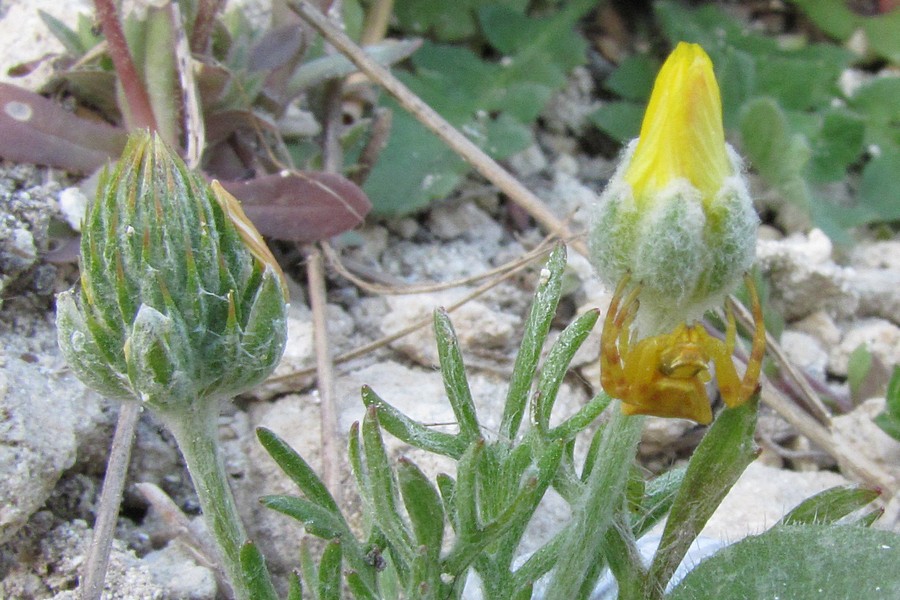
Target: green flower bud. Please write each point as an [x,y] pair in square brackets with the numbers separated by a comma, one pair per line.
[180,299]
[677,214]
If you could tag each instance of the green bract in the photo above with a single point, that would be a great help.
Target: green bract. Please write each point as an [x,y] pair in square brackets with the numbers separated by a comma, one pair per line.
[173,306]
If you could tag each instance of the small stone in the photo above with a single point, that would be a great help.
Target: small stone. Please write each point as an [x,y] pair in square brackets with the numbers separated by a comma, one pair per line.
[44,413]
[761,497]
[176,571]
[73,206]
[661,435]
[805,352]
[820,326]
[859,435]
[804,278]
[478,327]
[463,219]
[528,162]
[876,255]
[880,337]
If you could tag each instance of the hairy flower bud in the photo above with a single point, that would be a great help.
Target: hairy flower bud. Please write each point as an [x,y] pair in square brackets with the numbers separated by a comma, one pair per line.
[677,214]
[180,299]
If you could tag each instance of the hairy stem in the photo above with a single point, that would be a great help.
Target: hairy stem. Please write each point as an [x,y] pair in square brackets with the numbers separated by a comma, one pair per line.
[135,93]
[196,432]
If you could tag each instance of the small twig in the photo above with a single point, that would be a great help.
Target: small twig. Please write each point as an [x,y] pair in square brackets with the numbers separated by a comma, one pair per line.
[204,23]
[136,94]
[332,154]
[377,20]
[325,371]
[110,498]
[334,261]
[194,129]
[201,548]
[332,162]
[379,131]
[459,143]
[383,341]
[820,411]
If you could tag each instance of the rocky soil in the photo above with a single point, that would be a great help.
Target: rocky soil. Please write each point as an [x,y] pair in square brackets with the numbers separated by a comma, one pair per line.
[55,434]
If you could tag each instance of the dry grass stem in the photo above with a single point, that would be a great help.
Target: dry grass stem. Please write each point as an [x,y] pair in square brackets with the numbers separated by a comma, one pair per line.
[94,573]
[455,140]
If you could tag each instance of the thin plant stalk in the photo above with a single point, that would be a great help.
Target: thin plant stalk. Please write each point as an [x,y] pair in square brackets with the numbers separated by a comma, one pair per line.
[324,370]
[135,93]
[196,433]
[110,498]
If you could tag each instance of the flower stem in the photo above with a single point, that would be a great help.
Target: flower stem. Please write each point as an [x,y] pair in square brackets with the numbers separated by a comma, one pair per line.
[196,432]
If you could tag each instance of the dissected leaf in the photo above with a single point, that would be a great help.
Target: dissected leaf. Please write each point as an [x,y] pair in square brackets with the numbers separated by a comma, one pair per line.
[301,206]
[36,130]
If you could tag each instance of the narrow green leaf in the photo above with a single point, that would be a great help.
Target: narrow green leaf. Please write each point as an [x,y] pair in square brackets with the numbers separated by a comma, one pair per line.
[466,496]
[308,567]
[543,309]
[568,429]
[453,372]
[295,467]
[869,518]
[557,363]
[827,507]
[256,575]
[717,463]
[295,587]
[64,34]
[524,593]
[858,365]
[385,498]
[412,432]
[330,571]
[358,588]
[317,520]
[447,488]
[889,420]
[515,515]
[800,562]
[423,505]
[659,494]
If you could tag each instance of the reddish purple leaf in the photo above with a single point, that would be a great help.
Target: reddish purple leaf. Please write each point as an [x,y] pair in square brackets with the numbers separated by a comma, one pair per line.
[36,130]
[303,206]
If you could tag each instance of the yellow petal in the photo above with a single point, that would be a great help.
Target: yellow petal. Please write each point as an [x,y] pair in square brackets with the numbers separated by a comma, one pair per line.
[248,232]
[682,135]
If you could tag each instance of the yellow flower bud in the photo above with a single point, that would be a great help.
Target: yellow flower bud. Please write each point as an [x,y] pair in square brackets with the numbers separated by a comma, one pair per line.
[682,135]
[677,215]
